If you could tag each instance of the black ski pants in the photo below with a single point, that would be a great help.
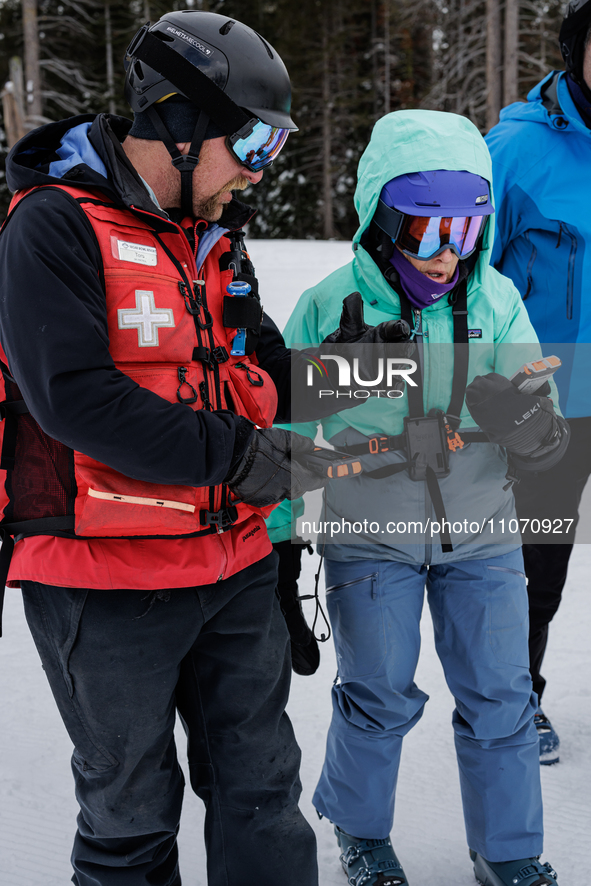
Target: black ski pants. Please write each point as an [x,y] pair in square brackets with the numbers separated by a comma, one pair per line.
[556,495]
[121,663]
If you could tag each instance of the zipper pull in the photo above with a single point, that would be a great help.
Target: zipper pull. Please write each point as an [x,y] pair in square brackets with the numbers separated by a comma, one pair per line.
[192,306]
[250,374]
[204,397]
[197,291]
[417,327]
[201,301]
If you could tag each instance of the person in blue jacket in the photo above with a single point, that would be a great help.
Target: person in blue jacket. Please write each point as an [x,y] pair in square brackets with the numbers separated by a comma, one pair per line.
[541,151]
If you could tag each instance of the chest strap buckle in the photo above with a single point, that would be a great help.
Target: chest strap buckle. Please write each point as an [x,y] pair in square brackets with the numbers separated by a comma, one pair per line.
[222,519]
[454,441]
[205,355]
[379,444]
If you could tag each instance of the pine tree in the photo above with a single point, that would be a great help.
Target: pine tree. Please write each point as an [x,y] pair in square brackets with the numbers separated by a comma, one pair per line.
[346,71]
[489,53]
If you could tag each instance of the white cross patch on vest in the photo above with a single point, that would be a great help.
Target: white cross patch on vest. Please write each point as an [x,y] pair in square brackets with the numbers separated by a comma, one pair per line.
[146,318]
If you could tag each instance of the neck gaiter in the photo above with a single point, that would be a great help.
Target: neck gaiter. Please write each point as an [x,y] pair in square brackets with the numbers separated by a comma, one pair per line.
[420,290]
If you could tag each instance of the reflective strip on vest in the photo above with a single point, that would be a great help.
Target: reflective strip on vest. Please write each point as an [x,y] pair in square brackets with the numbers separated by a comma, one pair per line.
[137,500]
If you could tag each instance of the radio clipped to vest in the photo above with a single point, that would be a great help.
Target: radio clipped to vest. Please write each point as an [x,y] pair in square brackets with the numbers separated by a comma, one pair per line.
[244,313]
[239,289]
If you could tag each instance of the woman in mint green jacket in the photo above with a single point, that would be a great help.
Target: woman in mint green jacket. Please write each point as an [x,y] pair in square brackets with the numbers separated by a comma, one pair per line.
[442,518]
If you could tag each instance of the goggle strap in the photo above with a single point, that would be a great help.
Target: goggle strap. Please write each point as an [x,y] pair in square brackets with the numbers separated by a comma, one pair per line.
[198,88]
[388,219]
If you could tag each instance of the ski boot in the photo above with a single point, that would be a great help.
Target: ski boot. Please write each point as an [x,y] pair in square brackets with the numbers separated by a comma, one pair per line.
[369,862]
[549,741]
[522,872]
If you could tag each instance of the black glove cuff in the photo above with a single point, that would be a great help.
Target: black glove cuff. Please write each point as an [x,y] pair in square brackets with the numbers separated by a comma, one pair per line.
[290,560]
[244,432]
[549,455]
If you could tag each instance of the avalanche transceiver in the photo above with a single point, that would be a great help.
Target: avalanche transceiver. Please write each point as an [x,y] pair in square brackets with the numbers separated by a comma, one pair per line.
[532,376]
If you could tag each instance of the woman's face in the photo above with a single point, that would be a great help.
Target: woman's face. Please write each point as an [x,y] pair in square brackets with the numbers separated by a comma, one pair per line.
[440,269]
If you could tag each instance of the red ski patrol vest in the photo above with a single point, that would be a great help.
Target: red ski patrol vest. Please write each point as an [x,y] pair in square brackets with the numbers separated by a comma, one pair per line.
[166,332]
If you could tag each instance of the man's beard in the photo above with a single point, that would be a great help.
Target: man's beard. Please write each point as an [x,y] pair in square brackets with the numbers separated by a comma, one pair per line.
[211,210]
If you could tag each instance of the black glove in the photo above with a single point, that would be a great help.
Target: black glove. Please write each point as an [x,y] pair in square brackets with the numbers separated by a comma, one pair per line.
[525,424]
[353,328]
[305,655]
[269,471]
[364,341]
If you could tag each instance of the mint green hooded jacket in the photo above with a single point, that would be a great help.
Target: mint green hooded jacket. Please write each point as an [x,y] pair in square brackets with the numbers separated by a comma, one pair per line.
[475,490]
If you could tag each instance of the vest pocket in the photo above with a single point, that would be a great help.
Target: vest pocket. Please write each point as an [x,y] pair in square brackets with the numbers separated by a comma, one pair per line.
[228,398]
[167,381]
[111,504]
[252,392]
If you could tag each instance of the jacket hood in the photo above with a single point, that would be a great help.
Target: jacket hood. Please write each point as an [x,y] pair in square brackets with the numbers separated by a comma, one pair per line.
[59,151]
[86,151]
[550,104]
[417,141]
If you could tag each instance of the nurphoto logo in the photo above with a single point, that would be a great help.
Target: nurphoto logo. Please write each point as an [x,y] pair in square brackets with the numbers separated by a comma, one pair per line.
[389,371]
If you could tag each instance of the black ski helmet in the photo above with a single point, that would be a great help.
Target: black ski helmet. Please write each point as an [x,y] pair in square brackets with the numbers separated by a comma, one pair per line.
[573,33]
[222,66]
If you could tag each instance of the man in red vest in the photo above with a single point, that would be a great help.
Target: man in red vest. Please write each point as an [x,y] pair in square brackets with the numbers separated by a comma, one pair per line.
[138,459]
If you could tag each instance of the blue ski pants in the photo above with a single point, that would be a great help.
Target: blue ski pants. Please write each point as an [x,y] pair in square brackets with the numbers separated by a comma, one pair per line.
[480,617]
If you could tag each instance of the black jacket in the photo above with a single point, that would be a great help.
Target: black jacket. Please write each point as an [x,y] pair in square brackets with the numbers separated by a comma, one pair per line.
[53,324]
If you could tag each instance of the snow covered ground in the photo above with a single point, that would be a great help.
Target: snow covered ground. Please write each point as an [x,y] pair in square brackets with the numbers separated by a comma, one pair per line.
[37,808]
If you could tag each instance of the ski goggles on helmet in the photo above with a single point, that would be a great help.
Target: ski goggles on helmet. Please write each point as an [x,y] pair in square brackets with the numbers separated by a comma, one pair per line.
[425,237]
[257,148]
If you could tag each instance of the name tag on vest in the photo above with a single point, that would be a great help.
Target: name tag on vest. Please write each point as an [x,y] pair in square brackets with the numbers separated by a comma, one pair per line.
[137,253]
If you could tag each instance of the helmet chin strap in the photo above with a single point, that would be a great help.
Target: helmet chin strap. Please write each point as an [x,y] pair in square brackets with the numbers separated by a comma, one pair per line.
[185,163]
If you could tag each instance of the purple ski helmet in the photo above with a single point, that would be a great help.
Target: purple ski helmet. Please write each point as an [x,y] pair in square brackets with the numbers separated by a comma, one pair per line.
[427,212]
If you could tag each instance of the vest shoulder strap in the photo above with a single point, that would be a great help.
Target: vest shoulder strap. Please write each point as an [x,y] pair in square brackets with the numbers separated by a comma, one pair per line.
[461,354]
